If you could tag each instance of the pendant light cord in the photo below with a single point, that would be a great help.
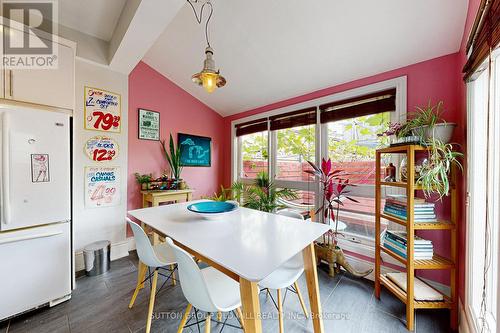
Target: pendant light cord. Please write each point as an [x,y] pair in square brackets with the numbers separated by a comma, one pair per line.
[200,17]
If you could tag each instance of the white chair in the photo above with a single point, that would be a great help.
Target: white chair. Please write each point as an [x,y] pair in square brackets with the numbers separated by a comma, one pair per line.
[285,277]
[151,257]
[206,290]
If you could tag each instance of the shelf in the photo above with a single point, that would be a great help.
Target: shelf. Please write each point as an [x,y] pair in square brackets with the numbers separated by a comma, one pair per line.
[439,225]
[401,149]
[401,294]
[437,261]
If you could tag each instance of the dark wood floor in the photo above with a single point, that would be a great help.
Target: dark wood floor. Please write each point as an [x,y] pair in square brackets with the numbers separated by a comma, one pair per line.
[99,304]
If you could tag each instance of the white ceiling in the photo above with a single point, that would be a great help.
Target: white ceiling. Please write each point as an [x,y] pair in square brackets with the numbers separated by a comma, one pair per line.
[273,50]
[96,18]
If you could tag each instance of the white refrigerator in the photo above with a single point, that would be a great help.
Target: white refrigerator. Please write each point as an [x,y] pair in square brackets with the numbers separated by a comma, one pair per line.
[35,214]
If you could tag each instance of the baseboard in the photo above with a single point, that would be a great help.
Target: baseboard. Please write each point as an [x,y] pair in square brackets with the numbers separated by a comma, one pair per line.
[363,265]
[118,250]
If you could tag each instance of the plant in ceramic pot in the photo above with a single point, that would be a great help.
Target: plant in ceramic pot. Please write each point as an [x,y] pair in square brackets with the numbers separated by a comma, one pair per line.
[173,156]
[335,187]
[143,180]
[427,122]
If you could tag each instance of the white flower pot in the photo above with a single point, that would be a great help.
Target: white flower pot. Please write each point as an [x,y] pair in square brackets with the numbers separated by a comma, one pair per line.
[441,132]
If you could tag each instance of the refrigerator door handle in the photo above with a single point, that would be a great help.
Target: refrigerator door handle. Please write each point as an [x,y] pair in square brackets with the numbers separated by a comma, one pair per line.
[28,237]
[5,169]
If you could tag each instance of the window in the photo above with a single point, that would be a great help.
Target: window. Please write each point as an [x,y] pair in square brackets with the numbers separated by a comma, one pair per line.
[483,187]
[351,145]
[254,154]
[342,126]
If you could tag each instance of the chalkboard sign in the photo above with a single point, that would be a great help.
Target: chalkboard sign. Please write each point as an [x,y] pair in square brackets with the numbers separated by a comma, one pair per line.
[195,150]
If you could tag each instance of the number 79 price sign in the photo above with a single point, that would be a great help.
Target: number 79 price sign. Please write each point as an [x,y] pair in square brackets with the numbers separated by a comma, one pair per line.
[102,110]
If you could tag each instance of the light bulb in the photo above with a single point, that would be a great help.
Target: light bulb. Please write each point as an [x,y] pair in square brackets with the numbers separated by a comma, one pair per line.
[209,81]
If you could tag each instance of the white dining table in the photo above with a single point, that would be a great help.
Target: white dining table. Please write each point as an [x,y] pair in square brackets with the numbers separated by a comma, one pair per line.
[246,244]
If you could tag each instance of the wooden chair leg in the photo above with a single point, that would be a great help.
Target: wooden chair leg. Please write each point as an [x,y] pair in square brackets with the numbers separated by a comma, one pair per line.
[152,301]
[172,267]
[280,311]
[302,304]
[184,318]
[240,315]
[207,324]
[140,277]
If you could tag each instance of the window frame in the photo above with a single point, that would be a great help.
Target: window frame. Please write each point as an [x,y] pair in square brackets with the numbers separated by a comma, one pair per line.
[493,192]
[355,243]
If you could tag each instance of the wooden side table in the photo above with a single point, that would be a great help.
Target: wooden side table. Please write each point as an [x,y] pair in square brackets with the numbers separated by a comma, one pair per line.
[156,197]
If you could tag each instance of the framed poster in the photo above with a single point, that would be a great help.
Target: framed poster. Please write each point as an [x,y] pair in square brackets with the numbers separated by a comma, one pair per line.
[195,150]
[102,110]
[149,125]
[102,187]
[40,172]
[101,148]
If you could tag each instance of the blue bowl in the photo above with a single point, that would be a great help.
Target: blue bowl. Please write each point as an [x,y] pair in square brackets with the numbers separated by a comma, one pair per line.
[211,209]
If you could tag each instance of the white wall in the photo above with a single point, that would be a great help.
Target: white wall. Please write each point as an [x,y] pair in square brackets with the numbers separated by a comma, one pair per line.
[107,223]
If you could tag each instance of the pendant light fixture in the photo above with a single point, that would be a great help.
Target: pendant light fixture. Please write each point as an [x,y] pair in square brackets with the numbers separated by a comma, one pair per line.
[209,77]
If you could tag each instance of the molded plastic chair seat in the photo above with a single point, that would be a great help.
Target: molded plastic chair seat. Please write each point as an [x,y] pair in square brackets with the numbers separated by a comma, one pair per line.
[224,291]
[164,254]
[285,275]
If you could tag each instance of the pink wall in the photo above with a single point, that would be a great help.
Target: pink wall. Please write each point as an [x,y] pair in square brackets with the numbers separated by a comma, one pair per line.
[179,112]
[435,79]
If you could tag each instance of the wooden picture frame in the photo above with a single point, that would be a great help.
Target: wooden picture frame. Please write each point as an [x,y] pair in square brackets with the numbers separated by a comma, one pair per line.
[196,151]
[145,130]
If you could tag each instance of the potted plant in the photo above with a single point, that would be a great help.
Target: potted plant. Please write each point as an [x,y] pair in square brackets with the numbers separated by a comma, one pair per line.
[434,173]
[334,189]
[173,156]
[262,194]
[427,122]
[143,180]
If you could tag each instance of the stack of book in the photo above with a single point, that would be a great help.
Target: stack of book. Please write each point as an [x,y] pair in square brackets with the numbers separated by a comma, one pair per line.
[423,212]
[396,242]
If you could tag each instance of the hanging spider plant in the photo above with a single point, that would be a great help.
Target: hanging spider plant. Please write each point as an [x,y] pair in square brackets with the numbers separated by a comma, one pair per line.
[434,175]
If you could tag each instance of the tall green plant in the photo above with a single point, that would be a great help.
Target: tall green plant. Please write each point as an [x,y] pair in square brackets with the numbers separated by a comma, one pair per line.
[173,156]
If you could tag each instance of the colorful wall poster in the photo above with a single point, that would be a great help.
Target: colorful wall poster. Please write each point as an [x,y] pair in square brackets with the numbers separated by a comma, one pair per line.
[101,148]
[102,186]
[40,172]
[102,110]
[195,150]
[149,125]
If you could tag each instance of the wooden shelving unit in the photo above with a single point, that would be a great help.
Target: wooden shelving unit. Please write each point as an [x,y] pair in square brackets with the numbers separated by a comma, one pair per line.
[436,263]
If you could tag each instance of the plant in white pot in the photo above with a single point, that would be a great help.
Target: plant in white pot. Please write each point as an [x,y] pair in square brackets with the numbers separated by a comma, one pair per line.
[427,122]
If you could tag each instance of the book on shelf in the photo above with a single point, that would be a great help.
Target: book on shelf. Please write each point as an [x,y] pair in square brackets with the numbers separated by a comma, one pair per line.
[403,208]
[402,198]
[419,204]
[416,218]
[416,247]
[401,236]
[402,213]
[418,253]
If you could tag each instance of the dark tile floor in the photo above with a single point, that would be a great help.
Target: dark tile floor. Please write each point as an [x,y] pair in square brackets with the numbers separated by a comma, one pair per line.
[100,304]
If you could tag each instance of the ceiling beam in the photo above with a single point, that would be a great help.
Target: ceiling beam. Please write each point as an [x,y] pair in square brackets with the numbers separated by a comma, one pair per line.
[141,23]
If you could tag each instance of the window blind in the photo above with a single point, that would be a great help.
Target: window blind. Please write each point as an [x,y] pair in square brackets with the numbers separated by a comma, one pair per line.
[379,102]
[484,36]
[251,127]
[293,119]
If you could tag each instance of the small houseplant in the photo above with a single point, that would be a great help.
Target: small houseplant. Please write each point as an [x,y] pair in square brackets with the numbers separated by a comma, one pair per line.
[263,194]
[143,180]
[173,156]
[334,190]
[427,122]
